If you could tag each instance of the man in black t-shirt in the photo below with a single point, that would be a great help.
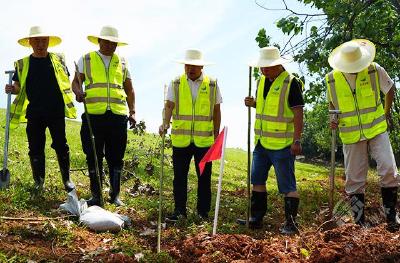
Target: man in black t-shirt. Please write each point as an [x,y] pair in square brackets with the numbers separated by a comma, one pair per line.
[43,99]
[278,127]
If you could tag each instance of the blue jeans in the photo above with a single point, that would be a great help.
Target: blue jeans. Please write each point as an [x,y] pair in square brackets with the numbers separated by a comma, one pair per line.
[283,162]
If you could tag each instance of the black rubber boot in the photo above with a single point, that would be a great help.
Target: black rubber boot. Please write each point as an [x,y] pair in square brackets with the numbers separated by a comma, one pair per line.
[38,171]
[115,186]
[291,209]
[258,208]
[176,216]
[64,163]
[357,203]
[95,189]
[389,198]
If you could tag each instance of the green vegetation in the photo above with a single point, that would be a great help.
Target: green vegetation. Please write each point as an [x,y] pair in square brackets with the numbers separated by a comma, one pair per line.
[67,235]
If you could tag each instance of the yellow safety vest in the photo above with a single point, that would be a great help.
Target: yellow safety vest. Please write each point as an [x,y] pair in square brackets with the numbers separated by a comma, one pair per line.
[192,121]
[18,107]
[361,111]
[105,87]
[274,118]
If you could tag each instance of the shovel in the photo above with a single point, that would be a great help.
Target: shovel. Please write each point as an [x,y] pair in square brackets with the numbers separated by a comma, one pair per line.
[96,162]
[334,114]
[248,213]
[161,179]
[331,223]
[5,173]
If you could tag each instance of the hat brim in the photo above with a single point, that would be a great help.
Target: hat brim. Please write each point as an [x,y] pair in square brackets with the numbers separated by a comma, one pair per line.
[195,62]
[367,57]
[53,40]
[265,63]
[95,40]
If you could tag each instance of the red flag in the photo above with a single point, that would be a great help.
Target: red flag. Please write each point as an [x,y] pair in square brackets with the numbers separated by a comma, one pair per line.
[215,151]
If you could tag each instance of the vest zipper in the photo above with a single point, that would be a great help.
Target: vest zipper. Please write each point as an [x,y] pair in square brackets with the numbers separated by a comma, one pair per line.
[108,84]
[357,108]
[263,107]
[193,110]
[107,69]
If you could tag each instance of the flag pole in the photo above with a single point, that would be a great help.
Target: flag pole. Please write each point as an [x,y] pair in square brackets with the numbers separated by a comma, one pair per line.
[161,179]
[221,171]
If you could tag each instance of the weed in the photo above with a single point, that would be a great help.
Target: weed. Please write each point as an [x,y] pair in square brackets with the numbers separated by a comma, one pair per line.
[162,257]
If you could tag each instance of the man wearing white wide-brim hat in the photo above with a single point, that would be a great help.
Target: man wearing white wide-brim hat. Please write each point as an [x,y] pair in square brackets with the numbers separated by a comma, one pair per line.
[110,103]
[44,99]
[278,127]
[193,101]
[354,88]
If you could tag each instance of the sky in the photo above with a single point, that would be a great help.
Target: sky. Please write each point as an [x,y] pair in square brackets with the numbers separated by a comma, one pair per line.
[158,32]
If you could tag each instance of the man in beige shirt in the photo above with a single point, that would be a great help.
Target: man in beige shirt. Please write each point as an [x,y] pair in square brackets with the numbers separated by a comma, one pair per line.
[354,88]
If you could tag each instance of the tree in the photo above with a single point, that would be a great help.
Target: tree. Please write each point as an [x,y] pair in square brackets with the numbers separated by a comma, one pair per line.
[313,35]
[333,23]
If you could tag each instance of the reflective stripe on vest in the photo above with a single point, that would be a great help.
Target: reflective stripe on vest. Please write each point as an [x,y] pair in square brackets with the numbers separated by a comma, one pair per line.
[104,86]
[362,110]
[193,121]
[274,126]
[20,103]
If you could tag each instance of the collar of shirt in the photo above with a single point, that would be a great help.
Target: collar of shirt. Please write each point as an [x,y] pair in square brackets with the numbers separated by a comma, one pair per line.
[351,79]
[199,79]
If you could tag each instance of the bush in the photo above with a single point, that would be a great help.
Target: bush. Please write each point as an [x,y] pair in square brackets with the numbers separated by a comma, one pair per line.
[317,135]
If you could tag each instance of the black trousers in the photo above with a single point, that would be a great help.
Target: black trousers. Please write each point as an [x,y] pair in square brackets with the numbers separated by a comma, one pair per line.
[36,132]
[181,158]
[110,134]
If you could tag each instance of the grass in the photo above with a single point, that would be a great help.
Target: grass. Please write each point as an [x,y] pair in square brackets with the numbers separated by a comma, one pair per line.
[142,151]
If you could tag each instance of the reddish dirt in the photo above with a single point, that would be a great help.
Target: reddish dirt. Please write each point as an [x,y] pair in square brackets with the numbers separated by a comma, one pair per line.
[348,243]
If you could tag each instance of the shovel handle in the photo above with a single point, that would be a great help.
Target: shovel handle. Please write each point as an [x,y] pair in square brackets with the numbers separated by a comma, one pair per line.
[92,139]
[334,113]
[248,213]
[160,197]
[7,129]
[332,173]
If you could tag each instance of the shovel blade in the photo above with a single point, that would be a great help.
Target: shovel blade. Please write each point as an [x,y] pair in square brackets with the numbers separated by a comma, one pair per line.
[4,178]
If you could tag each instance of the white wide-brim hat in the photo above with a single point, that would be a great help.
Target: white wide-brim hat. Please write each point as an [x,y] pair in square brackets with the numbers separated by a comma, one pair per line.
[108,33]
[352,56]
[269,57]
[193,57]
[37,31]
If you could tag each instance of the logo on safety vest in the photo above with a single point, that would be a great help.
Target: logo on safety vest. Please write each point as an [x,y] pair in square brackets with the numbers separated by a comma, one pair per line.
[115,64]
[203,90]
[364,82]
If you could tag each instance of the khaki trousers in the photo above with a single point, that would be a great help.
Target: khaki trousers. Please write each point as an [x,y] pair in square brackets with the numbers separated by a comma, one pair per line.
[356,163]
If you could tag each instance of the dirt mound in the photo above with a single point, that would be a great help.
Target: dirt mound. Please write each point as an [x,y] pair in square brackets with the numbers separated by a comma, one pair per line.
[348,243]
[351,243]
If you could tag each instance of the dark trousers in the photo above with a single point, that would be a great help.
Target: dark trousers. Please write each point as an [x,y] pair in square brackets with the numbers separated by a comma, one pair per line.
[36,132]
[110,134]
[181,158]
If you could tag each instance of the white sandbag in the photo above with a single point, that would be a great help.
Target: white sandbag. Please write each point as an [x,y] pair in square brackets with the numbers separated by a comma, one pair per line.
[99,220]
[94,217]
[73,205]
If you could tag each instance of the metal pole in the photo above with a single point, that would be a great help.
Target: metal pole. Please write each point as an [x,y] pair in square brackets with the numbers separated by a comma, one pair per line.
[334,114]
[92,139]
[248,152]
[161,179]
